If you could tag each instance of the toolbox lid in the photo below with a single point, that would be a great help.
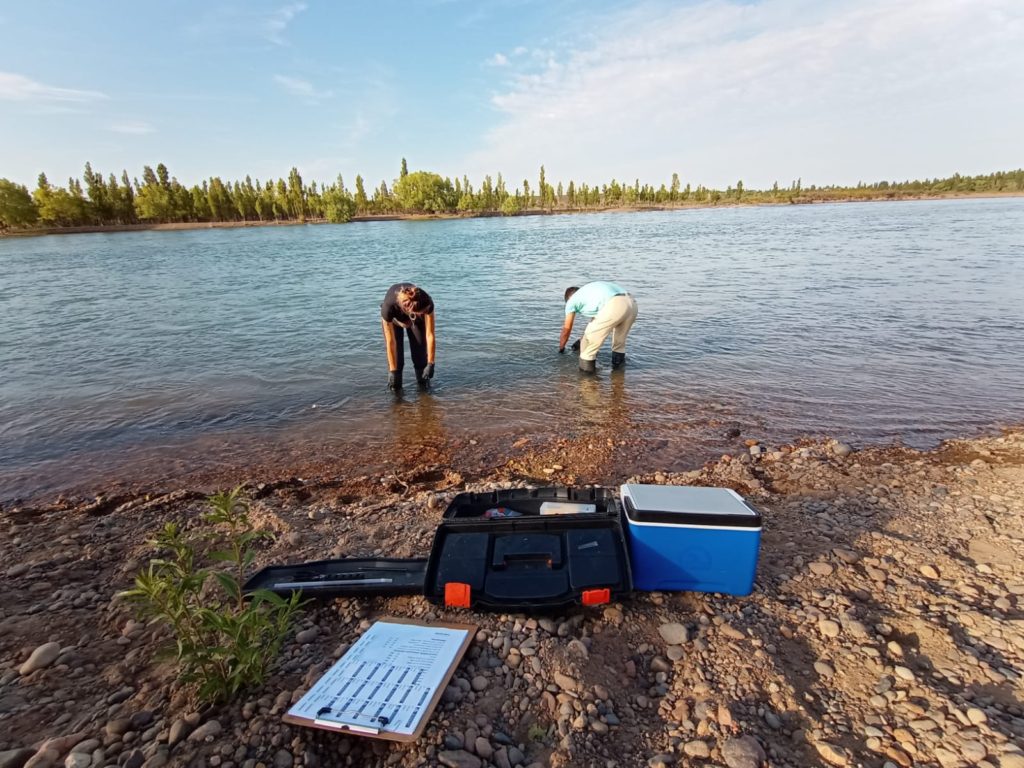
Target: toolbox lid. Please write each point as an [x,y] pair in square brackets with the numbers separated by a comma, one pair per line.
[684,505]
[347,577]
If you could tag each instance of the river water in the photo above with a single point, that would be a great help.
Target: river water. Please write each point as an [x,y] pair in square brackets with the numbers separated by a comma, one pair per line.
[899,321]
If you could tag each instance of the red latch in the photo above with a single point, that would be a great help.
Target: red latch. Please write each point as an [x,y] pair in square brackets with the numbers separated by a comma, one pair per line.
[456,594]
[597,596]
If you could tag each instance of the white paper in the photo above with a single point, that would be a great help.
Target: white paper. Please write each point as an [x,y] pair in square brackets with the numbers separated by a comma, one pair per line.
[385,681]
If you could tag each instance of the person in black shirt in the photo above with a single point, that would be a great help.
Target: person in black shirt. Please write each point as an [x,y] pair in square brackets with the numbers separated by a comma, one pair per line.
[408,309]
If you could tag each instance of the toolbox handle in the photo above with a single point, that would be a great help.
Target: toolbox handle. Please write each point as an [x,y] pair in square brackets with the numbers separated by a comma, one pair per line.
[526,557]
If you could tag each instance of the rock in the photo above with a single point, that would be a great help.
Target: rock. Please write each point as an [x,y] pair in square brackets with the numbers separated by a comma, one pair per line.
[661,761]
[832,754]
[18,570]
[78,760]
[307,635]
[729,631]
[458,758]
[743,752]
[43,758]
[15,758]
[565,682]
[929,572]
[673,634]
[1011,760]
[283,759]
[973,751]
[660,664]
[211,728]
[41,657]
[842,450]
[483,747]
[118,726]
[674,653]
[697,748]
[135,759]
[823,669]
[903,673]
[180,729]
[479,683]
[976,716]
[821,569]
[452,695]
[829,628]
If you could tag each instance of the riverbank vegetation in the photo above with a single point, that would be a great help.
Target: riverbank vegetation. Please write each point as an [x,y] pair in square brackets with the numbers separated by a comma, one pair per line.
[159,198]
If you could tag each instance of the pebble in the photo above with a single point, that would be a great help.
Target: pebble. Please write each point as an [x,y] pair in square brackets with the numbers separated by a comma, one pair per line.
[832,754]
[78,760]
[307,635]
[15,758]
[829,628]
[904,673]
[458,758]
[479,683]
[821,569]
[41,657]
[929,572]
[976,716]
[283,759]
[209,728]
[565,682]
[697,748]
[743,752]
[180,729]
[824,669]
[661,761]
[673,633]
[483,747]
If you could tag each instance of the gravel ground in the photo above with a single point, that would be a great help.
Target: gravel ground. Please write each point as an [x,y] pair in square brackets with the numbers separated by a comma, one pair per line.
[886,628]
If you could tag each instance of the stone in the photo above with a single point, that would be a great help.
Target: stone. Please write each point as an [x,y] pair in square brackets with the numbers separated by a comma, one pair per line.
[673,633]
[15,758]
[1011,760]
[307,635]
[660,664]
[743,752]
[41,657]
[829,628]
[929,572]
[976,716]
[973,751]
[43,758]
[78,760]
[661,761]
[211,728]
[18,570]
[458,758]
[697,748]
[841,450]
[674,653]
[824,669]
[903,673]
[832,754]
[483,747]
[479,683]
[821,569]
[180,729]
[729,631]
[135,759]
[565,682]
[283,759]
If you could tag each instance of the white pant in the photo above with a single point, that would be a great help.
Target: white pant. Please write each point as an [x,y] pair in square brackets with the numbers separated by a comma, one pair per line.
[615,317]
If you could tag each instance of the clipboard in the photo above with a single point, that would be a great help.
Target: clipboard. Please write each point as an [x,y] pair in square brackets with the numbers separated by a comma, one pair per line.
[391,675]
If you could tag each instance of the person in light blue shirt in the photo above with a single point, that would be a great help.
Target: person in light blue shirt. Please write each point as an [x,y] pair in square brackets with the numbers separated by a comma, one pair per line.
[613,311]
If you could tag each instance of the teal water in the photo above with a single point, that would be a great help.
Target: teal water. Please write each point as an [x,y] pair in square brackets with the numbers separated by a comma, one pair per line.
[873,322]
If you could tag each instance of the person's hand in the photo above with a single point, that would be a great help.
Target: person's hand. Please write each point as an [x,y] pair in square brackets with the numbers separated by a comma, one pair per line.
[428,373]
[395,381]
[561,350]
[576,345]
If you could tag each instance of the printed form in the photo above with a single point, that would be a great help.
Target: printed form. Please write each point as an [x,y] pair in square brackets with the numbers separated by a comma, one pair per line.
[385,682]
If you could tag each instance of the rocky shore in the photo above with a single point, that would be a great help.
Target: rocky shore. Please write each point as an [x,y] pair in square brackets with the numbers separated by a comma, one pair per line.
[886,629]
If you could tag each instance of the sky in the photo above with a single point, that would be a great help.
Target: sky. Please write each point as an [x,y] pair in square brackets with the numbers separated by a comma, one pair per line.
[828,91]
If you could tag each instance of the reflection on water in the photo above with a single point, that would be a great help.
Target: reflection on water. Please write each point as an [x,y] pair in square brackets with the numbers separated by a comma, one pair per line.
[168,350]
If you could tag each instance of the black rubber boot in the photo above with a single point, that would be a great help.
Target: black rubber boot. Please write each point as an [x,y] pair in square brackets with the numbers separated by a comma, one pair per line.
[421,380]
[618,358]
[588,366]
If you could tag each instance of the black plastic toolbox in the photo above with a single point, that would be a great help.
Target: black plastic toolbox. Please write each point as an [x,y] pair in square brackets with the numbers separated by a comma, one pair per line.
[531,561]
[356,577]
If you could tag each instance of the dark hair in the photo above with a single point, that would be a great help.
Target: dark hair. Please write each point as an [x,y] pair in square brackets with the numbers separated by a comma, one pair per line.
[570,291]
[416,297]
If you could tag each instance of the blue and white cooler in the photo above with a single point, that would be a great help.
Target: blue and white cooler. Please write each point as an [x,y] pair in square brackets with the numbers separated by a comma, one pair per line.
[689,539]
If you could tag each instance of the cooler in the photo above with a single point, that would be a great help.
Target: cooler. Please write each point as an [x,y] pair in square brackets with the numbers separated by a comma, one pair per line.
[684,538]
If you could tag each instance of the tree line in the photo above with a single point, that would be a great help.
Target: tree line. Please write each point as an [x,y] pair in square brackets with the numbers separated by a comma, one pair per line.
[159,198]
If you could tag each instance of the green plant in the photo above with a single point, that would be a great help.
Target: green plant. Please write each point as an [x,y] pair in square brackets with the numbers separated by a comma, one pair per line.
[224,640]
[537,732]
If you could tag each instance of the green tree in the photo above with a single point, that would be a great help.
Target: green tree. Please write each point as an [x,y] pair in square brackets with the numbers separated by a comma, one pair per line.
[361,201]
[425,192]
[405,170]
[17,208]
[296,196]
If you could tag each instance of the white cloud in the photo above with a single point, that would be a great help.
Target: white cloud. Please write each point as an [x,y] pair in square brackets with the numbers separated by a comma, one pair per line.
[277,22]
[831,91]
[498,60]
[302,88]
[132,127]
[14,87]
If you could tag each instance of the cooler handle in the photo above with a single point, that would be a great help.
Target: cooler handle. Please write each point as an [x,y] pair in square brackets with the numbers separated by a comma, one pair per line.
[457,594]
[597,596]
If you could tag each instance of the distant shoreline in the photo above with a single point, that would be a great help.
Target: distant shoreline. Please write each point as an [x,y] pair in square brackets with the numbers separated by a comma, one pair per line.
[101,228]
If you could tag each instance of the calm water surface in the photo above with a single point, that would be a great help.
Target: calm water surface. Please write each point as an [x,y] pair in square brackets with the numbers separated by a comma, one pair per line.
[873,322]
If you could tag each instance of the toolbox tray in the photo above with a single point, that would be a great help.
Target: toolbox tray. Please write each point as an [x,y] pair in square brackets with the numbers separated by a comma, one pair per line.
[529,562]
[356,577]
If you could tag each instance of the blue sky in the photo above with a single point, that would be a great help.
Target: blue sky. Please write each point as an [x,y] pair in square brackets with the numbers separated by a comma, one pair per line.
[718,90]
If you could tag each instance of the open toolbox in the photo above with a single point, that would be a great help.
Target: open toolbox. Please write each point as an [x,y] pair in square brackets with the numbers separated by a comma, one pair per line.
[527,549]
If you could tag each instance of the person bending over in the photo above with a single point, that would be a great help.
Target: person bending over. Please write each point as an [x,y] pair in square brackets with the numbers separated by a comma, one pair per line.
[613,311]
[409,310]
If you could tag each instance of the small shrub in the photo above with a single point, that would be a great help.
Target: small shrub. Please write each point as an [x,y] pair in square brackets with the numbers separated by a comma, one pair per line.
[223,642]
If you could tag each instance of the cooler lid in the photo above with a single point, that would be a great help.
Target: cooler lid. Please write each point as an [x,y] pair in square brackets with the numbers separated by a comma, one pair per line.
[688,505]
